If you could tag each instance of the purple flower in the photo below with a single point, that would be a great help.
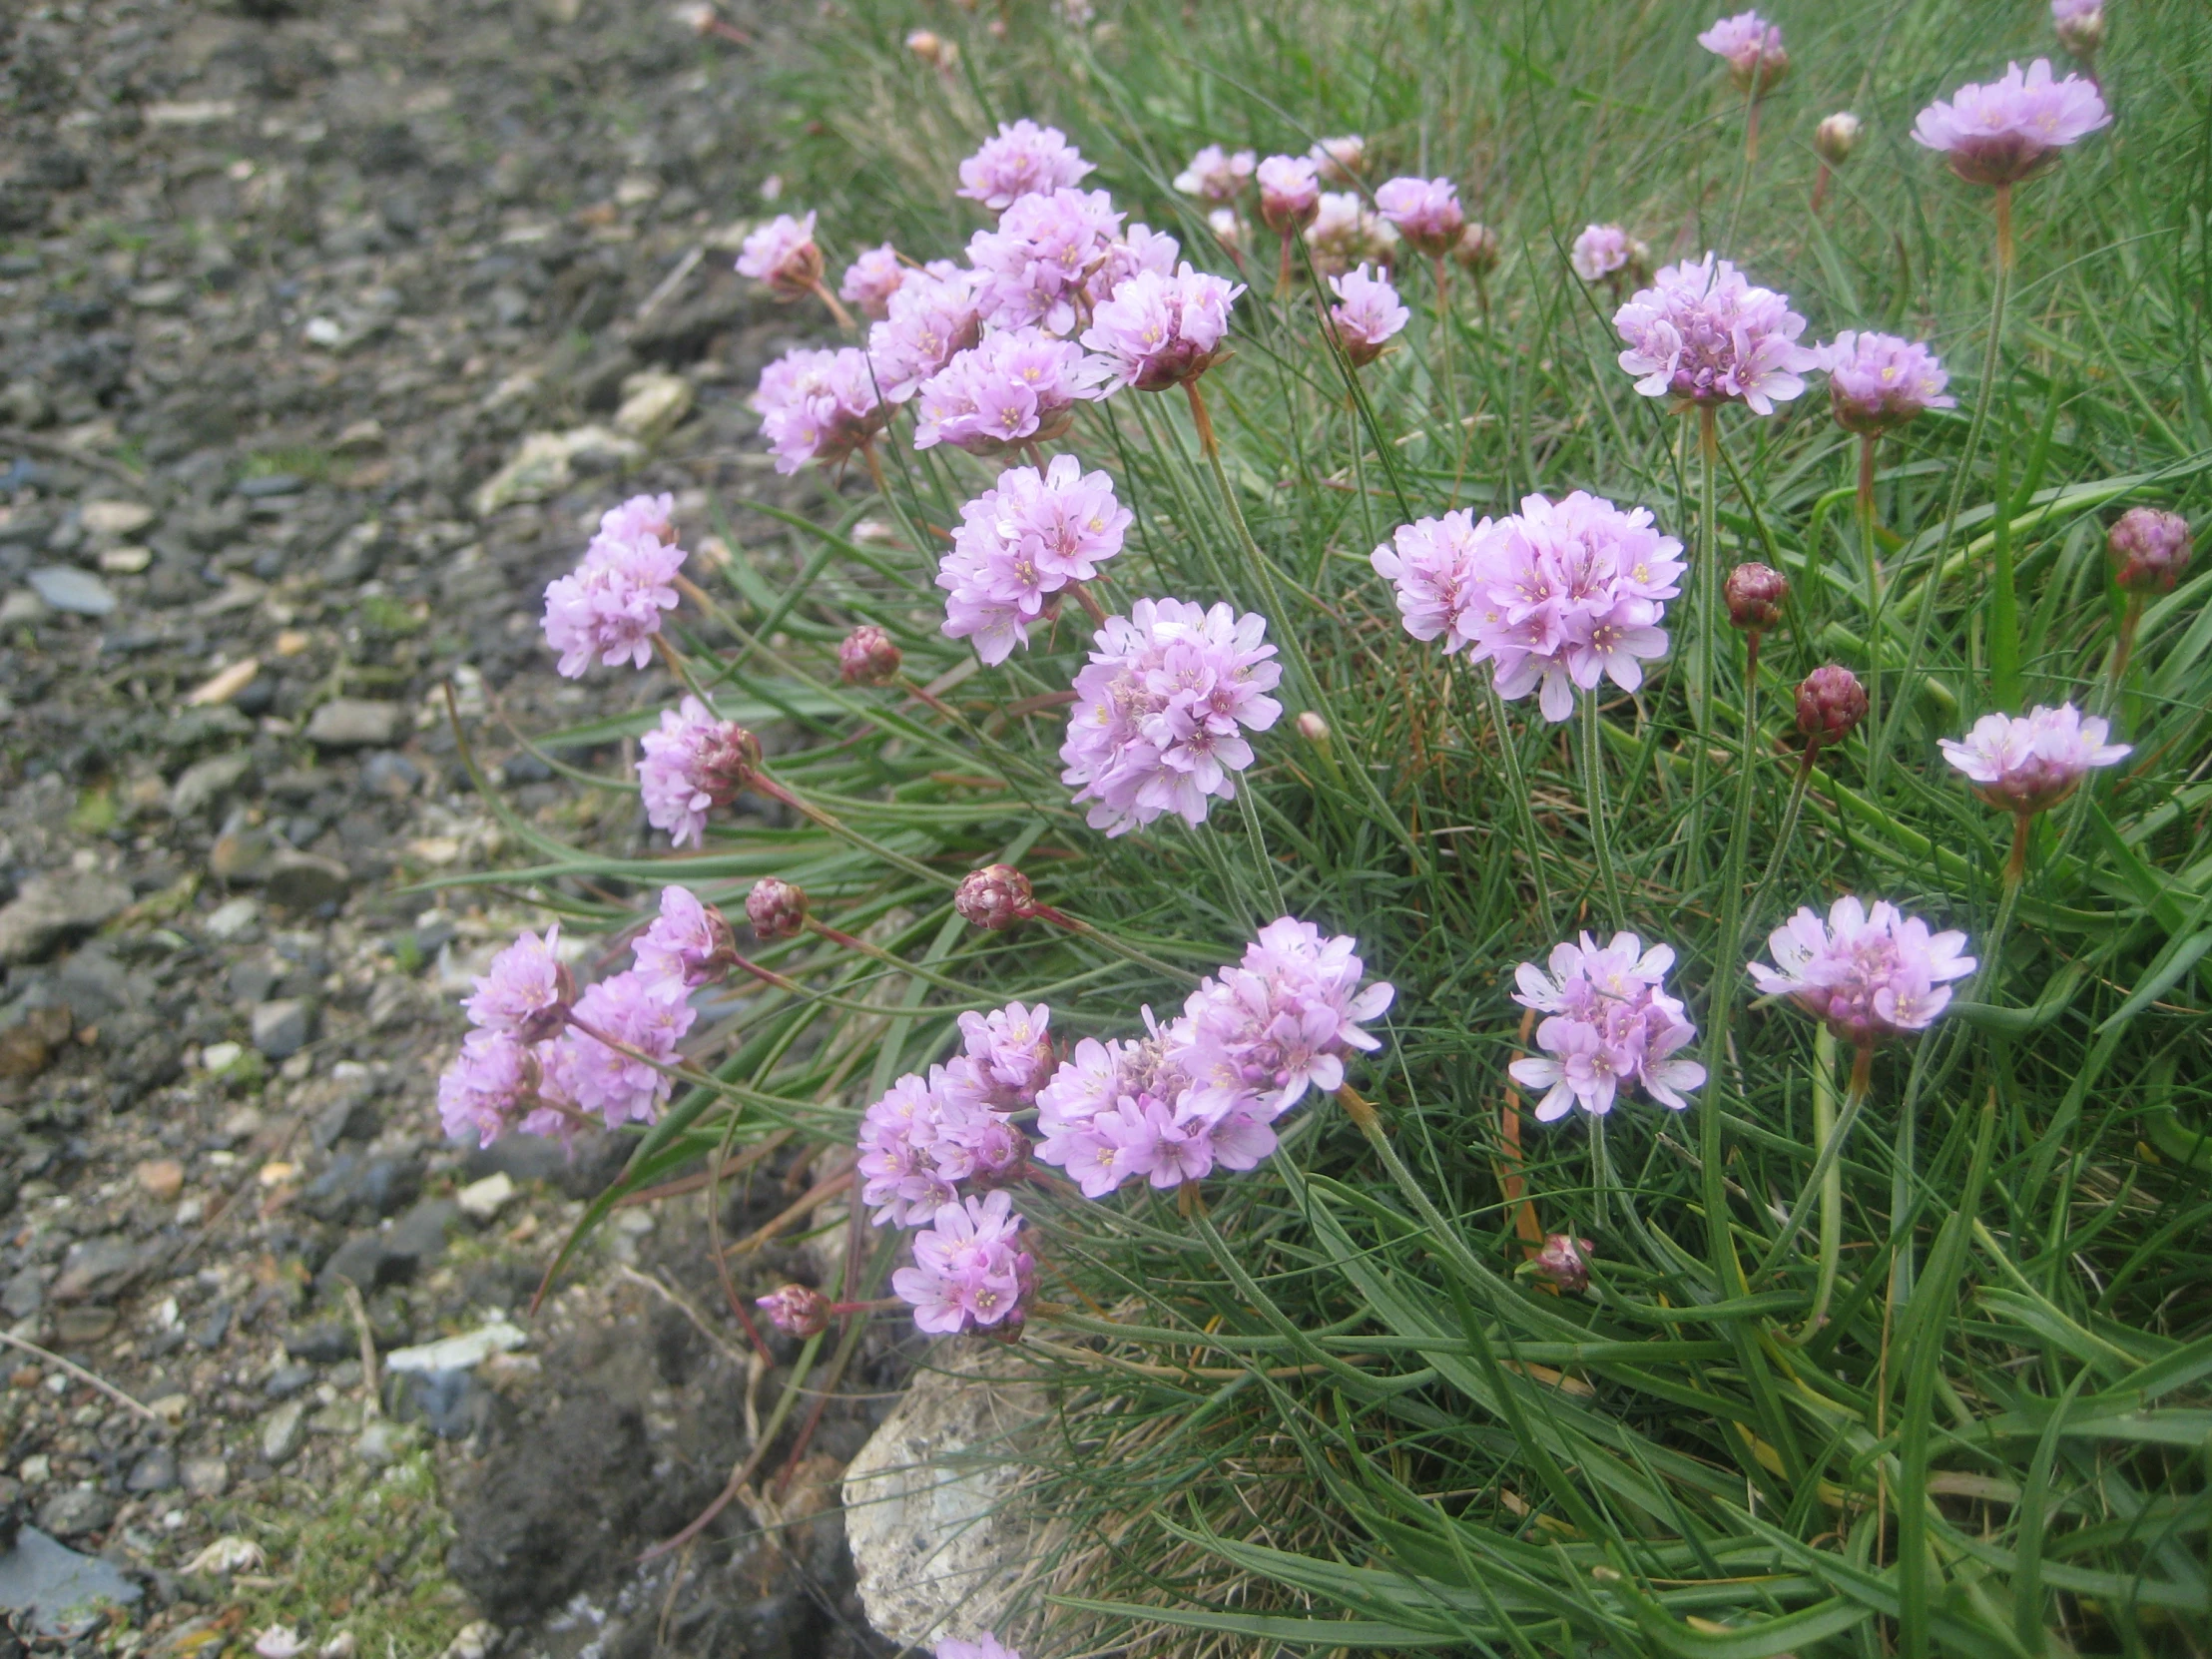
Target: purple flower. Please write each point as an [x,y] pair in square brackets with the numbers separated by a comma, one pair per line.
[641,518]
[1705,335]
[1161,710]
[970,1272]
[2079,25]
[1290,192]
[1829,704]
[783,254]
[927,1135]
[995,898]
[817,407]
[691,765]
[1022,542]
[610,606]
[1868,975]
[1340,158]
[1565,1262]
[1602,249]
[489,1087]
[1368,314]
[1033,266]
[1436,565]
[796,1310]
[2030,764]
[1876,381]
[1280,1022]
[933,316]
[1215,175]
[1012,1052]
[872,280]
[2000,132]
[983,1647]
[2149,550]
[1122,1111]
[1020,386]
[1158,331]
[1426,213]
[625,1009]
[687,945]
[1024,160]
[1753,49]
[1611,1028]
[1140,247]
[526,990]
[1344,233]
[776,909]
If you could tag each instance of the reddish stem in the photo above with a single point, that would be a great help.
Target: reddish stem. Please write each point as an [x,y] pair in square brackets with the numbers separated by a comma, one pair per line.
[1089,601]
[843,316]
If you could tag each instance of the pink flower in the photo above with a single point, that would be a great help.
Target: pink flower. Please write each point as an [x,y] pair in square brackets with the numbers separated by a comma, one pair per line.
[1158,331]
[869,657]
[1107,1111]
[1868,975]
[2000,132]
[1161,710]
[489,1087]
[1705,335]
[1343,233]
[600,1078]
[687,945]
[995,898]
[691,765]
[1565,1262]
[1602,249]
[2079,25]
[1034,266]
[2149,550]
[1437,566]
[817,407]
[1876,381]
[796,1310]
[1215,175]
[984,1647]
[1753,50]
[1012,1051]
[526,989]
[970,1272]
[1024,160]
[1340,158]
[1290,192]
[1279,1023]
[1368,314]
[930,318]
[1138,248]
[610,606]
[1020,386]
[2031,764]
[1425,210]
[1022,542]
[1611,1028]
[641,518]
[783,254]
[927,1135]
[872,280]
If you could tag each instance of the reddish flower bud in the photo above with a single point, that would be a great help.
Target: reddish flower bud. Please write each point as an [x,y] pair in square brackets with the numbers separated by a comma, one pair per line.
[2150,550]
[1478,248]
[995,897]
[867,657]
[1565,1262]
[1313,729]
[777,909]
[1829,703]
[1754,594]
[795,1311]
[728,761]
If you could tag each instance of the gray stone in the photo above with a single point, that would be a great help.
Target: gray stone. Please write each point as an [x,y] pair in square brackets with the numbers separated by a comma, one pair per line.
[243,857]
[355,722]
[420,1235]
[306,881]
[365,1263]
[53,908]
[208,1476]
[94,985]
[95,1267]
[203,782]
[57,1591]
[154,1473]
[286,1381]
[284,1028]
[285,1431]
[76,1511]
[77,592]
[391,774]
[75,1327]
[25,1293]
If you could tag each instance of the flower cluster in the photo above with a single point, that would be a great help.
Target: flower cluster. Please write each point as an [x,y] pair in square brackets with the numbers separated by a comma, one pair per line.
[1558,596]
[985,1647]
[1217,176]
[783,254]
[1020,386]
[1867,973]
[1706,336]
[1290,192]
[1035,265]
[1602,249]
[928,1134]
[610,605]
[928,320]
[1876,381]
[817,407]
[1339,159]
[2149,549]
[970,1272]
[1345,233]
[1023,160]
[1161,710]
[1366,316]
[1021,542]
[1752,49]
[1158,331]
[2032,763]
[1609,1027]
[1425,212]
[2000,132]
[872,280]
[695,763]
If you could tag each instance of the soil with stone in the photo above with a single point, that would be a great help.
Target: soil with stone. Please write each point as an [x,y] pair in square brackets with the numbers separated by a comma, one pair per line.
[326,333]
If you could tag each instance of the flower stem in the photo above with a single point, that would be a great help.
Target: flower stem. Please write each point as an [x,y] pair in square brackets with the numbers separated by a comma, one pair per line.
[1873,565]
[1508,755]
[1708,636]
[1832,1176]
[1259,847]
[1602,1179]
[1593,789]
[1783,837]
[843,316]
[2124,648]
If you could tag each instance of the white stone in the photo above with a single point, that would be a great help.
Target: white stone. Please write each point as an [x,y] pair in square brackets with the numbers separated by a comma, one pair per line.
[115,518]
[463,1353]
[231,918]
[486,1197]
[652,403]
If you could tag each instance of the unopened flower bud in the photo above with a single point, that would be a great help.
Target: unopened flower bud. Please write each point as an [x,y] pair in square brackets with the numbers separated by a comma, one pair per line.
[795,1311]
[728,758]
[929,47]
[1565,1262]
[1836,138]
[1755,593]
[2150,550]
[1313,729]
[1829,703]
[776,908]
[995,897]
[867,657]
[1478,248]
[699,19]
[2079,25]
[1340,158]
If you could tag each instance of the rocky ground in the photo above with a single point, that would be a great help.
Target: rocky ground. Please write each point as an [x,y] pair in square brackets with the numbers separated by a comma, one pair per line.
[326,333]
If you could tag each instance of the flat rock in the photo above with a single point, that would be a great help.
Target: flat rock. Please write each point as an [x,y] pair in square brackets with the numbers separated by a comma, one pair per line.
[283,1027]
[285,1432]
[95,1267]
[156,1471]
[77,1511]
[57,1591]
[115,518]
[77,592]
[54,908]
[463,1353]
[355,722]
[546,464]
[203,782]
[242,855]
[653,404]
[205,1477]
[482,1200]
[306,881]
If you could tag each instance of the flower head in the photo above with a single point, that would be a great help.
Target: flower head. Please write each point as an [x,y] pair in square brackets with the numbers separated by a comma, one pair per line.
[2079,25]
[1217,176]
[970,1272]
[1020,386]
[609,607]
[1601,250]
[1830,701]
[489,1087]
[1836,137]
[1035,265]
[1022,542]
[783,254]
[928,320]
[927,1135]
[997,897]
[1260,1035]
[776,909]
[1754,595]
[1705,335]
[526,990]
[1426,213]
[2000,132]
[1023,160]
[691,765]
[817,407]
[1161,711]
[2030,764]
[689,945]
[1753,50]
[1339,159]
[641,518]
[796,1310]
[1158,331]
[1344,232]
[1012,1052]
[1366,315]
[1290,192]
[985,1646]
[872,280]
[1478,248]
[1565,1262]
[869,657]
[587,1068]
[1610,1027]
[1869,973]
[1876,381]
[2149,550]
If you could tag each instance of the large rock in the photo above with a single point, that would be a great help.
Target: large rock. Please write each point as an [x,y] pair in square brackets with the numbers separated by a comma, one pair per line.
[52,909]
[56,1591]
[938,1548]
